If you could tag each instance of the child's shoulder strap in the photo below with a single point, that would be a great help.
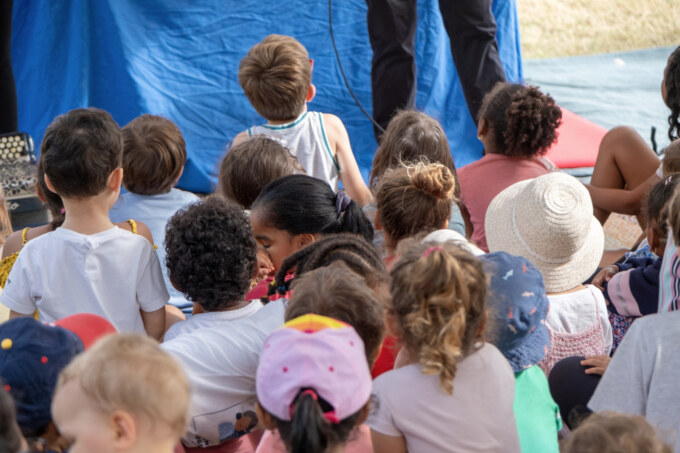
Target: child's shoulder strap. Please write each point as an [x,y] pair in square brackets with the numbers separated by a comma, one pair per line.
[24,235]
[133,225]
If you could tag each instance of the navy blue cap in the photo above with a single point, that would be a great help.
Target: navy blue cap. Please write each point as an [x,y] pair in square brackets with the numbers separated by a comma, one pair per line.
[32,355]
[518,306]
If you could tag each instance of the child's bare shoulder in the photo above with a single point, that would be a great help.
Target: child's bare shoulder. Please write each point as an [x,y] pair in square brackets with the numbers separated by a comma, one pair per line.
[240,137]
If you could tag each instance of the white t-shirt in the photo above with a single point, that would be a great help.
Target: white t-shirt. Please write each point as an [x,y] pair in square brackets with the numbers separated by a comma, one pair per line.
[221,363]
[477,417]
[114,274]
[210,319]
[155,211]
[577,311]
[642,377]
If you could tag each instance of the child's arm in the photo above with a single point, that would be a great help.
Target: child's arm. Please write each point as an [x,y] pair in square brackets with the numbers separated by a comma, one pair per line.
[387,444]
[621,200]
[635,291]
[154,323]
[349,175]
[15,314]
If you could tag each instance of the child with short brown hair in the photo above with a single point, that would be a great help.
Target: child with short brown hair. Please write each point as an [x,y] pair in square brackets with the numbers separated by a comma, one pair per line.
[276,77]
[124,394]
[252,164]
[460,389]
[154,154]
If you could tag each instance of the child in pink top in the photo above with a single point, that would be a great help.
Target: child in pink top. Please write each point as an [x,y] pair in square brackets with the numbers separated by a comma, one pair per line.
[517,125]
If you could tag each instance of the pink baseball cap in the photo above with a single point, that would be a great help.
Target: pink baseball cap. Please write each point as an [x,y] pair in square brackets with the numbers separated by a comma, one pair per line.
[319,353]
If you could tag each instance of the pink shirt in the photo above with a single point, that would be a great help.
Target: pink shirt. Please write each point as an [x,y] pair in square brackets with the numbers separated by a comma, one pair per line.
[482,180]
[359,442]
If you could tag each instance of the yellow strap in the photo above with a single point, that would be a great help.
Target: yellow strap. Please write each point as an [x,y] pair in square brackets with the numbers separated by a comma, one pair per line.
[24,235]
[133,225]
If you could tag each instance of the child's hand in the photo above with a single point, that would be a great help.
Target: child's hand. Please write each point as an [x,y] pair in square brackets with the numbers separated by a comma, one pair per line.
[597,363]
[605,275]
[264,265]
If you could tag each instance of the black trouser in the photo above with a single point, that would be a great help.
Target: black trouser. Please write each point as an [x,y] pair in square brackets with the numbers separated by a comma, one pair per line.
[8,93]
[392,29]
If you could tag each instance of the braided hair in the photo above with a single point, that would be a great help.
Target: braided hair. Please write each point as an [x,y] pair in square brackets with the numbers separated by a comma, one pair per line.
[356,252]
[671,81]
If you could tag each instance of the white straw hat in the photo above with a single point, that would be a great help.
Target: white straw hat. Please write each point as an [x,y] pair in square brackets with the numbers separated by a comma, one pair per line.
[548,220]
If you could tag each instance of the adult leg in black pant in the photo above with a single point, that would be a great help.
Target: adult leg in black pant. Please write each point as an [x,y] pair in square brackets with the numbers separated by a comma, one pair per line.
[392,31]
[8,94]
[472,31]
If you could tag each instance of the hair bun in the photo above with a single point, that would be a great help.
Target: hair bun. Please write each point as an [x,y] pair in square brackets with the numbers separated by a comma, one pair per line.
[434,179]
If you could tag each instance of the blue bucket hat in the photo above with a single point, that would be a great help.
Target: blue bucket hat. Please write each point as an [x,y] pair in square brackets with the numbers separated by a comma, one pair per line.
[518,306]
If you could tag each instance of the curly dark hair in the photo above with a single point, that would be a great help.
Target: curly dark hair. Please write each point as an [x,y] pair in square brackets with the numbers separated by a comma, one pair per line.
[672,83]
[524,121]
[211,253]
[355,251]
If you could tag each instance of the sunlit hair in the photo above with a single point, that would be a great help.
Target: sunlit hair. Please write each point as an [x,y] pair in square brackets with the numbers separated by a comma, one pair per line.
[438,302]
[414,198]
[610,432]
[275,76]
[130,372]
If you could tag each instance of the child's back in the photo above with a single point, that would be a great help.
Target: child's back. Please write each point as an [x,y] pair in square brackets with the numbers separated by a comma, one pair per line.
[517,125]
[88,264]
[461,389]
[153,159]
[276,77]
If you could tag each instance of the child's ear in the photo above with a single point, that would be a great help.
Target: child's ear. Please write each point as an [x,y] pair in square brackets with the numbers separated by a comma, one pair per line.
[364,413]
[179,176]
[304,239]
[654,239]
[265,418]
[391,324]
[377,224]
[124,430]
[115,179]
[482,127]
[49,185]
[310,93]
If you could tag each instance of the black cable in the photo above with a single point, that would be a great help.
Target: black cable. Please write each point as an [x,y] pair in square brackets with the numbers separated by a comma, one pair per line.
[342,72]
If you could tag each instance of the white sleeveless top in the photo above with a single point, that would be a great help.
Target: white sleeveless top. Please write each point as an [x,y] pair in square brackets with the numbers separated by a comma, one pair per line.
[306,139]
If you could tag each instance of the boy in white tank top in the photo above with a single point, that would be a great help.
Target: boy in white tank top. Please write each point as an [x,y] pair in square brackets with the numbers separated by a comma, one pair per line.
[276,77]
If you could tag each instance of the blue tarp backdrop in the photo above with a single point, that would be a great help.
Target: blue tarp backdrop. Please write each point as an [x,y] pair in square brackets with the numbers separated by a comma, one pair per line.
[179,59]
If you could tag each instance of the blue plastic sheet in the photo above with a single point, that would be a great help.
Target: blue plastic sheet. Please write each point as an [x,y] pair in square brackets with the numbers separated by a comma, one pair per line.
[179,59]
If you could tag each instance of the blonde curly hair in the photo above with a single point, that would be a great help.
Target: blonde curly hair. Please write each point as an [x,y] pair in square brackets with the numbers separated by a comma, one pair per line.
[438,303]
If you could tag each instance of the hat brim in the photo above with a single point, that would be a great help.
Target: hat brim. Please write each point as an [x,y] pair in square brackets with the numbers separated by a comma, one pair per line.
[500,236]
[531,351]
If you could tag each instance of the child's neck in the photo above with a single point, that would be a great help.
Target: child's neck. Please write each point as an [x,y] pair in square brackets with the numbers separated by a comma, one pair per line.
[235,306]
[87,215]
[279,122]
[572,290]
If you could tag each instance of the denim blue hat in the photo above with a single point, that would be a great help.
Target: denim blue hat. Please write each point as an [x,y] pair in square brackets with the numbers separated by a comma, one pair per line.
[518,306]
[32,354]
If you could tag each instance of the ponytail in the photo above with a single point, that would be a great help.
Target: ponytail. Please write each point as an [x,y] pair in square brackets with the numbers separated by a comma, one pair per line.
[301,204]
[313,428]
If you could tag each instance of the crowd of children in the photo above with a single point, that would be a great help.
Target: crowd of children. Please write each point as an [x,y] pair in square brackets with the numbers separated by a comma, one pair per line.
[282,314]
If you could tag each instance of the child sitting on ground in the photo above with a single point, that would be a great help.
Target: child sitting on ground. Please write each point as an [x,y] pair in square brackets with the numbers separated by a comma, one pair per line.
[549,220]
[609,432]
[517,125]
[293,211]
[626,167]
[88,264]
[337,292]
[248,167]
[631,288]
[323,385]
[411,137]
[211,259]
[125,395]
[454,392]
[154,155]
[413,199]
[518,306]
[276,77]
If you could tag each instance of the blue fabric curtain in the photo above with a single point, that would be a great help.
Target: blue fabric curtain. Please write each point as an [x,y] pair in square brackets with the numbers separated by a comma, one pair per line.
[179,59]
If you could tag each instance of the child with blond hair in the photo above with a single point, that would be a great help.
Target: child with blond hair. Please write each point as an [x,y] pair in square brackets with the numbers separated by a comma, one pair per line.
[124,395]
[154,155]
[88,264]
[276,77]
[460,389]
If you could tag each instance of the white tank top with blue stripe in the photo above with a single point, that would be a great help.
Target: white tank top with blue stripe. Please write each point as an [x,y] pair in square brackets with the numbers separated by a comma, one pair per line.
[306,139]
